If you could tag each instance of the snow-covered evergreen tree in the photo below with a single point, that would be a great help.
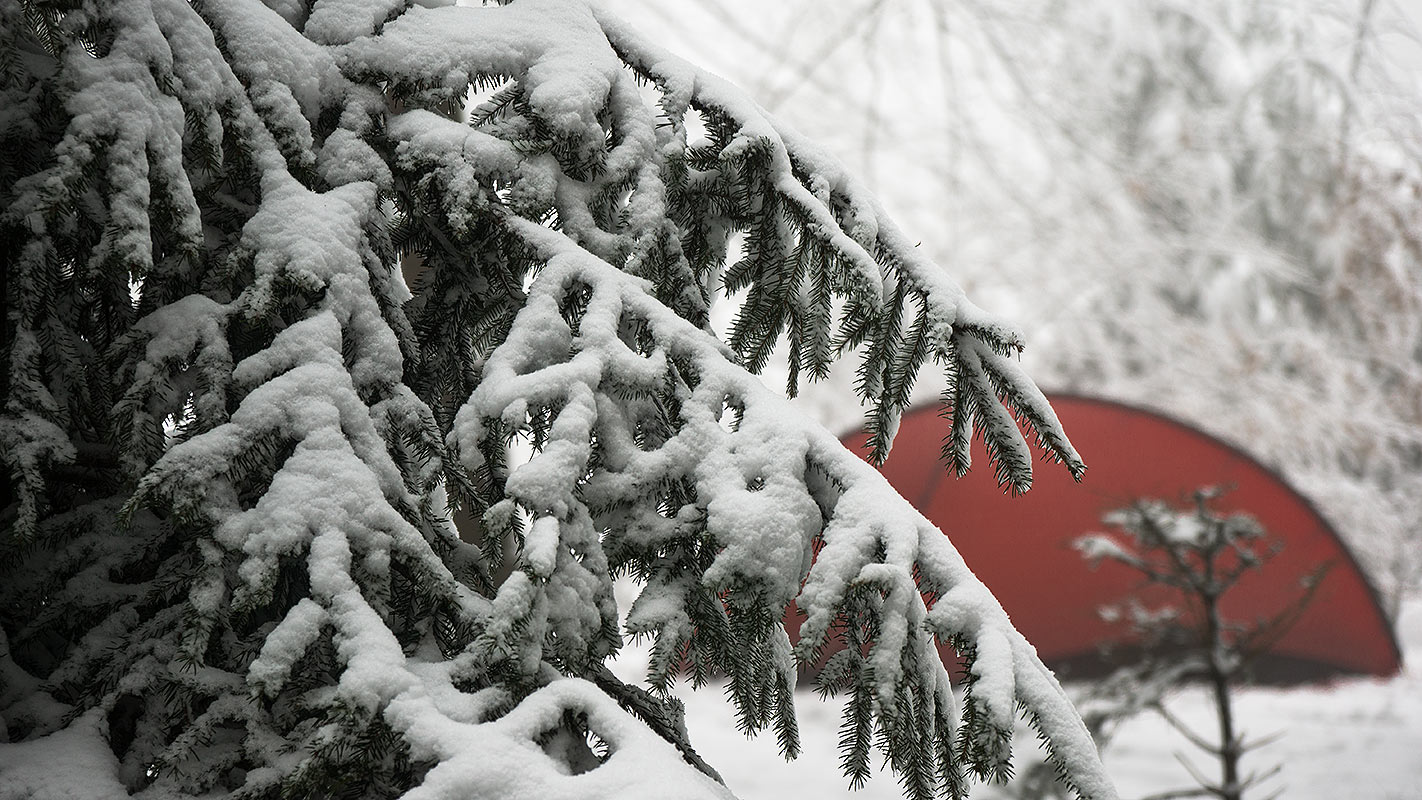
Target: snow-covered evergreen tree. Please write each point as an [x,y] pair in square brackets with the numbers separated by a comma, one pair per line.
[238,436]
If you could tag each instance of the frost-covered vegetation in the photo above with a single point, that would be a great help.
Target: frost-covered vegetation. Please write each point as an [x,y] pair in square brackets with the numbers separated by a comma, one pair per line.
[294,286]
[1198,556]
[1207,208]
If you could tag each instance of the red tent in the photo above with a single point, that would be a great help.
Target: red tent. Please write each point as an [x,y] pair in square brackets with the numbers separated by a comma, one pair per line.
[1021,546]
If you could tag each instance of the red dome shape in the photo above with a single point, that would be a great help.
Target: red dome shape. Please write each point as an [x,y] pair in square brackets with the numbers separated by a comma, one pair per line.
[1021,547]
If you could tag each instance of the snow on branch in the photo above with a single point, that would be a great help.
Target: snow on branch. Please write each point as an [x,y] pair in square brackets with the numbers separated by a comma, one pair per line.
[844,217]
[575,140]
[731,503]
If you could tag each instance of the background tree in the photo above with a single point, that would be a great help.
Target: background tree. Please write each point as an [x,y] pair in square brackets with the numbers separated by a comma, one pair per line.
[1197,556]
[236,436]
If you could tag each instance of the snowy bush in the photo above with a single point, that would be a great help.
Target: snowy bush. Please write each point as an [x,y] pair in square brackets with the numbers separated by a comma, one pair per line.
[288,287]
[1196,556]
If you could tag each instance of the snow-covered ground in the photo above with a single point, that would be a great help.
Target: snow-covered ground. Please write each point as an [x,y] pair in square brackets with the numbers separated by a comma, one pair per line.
[1354,739]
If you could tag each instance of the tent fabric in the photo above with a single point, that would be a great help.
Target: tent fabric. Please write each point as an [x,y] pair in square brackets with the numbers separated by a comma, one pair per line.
[1021,547]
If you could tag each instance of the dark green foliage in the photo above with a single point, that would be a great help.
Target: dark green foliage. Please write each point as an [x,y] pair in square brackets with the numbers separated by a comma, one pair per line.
[275,531]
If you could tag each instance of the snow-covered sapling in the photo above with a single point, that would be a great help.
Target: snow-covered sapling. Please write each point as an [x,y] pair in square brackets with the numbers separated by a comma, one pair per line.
[1197,555]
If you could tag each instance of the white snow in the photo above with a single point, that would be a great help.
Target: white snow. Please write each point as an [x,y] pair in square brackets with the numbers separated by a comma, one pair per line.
[286,643]
[505,757]
[1353,738]
[72,764]
[274,57]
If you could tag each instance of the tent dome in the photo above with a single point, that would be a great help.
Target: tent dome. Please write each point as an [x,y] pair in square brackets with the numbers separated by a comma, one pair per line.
[1021,547]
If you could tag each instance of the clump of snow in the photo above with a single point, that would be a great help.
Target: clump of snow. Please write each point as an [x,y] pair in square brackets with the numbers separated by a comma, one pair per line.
[506,757]
[273,57]
[74,763]
[557,47]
